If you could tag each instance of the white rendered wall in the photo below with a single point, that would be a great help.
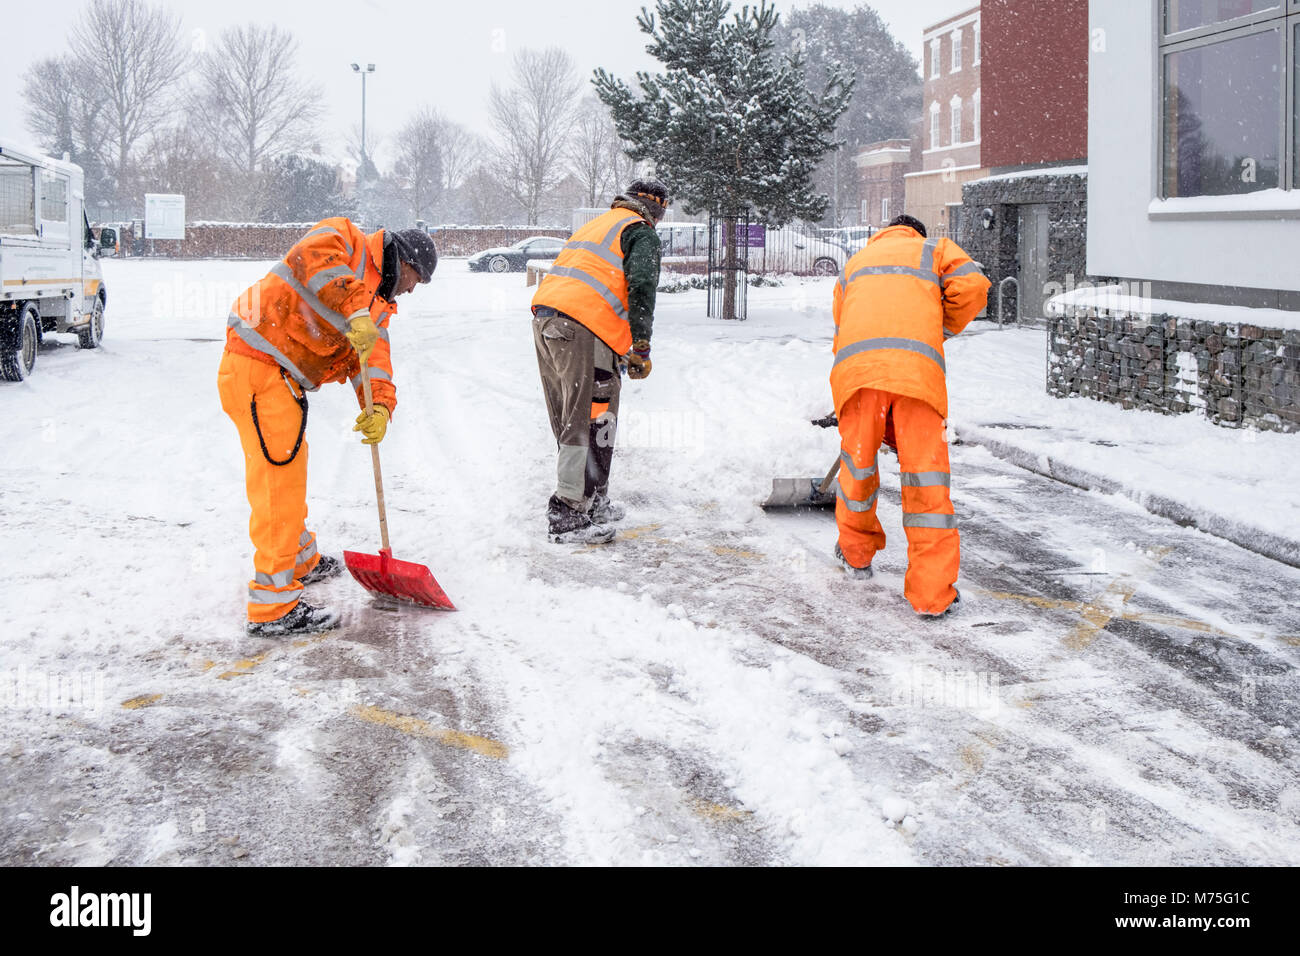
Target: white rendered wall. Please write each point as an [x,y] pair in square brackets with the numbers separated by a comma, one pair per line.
[1123,240]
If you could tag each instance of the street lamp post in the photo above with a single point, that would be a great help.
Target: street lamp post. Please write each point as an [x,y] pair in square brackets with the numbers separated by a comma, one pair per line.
[356,68]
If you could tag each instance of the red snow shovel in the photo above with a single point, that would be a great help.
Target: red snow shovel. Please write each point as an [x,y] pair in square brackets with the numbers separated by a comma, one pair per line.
[382,573]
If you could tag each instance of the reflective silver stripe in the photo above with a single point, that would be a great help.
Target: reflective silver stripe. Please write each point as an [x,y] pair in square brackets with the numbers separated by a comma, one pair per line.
[605,291]
[326,276]
[860,474]
[598,250]
[907,345]
[943,522]
[253,339]
[378,373]
[926,479]
[927,255]
[614,230]
[336,319]
[383,332]
[361,269]
[258,596]
[895,271]
[324,229]
[967,269]
[858,507]
[305,539]
[307,552]
[841,286]
[281,579]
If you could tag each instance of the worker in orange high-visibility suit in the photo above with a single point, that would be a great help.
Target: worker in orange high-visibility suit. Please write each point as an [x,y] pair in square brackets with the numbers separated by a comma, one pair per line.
[900,297]
[318,316]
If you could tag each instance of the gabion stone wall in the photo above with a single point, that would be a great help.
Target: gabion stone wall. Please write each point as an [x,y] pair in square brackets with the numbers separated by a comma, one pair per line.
[1239,375]
[998,248]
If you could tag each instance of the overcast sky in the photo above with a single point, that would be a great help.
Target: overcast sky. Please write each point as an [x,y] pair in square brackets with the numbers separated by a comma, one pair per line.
[442,54]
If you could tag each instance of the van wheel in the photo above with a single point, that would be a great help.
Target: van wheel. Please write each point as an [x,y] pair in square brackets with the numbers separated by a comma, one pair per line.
[825,267]
[90,336]
[20,340]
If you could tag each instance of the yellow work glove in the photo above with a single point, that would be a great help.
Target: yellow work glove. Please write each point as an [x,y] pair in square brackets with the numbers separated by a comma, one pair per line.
[363,335]
[373,425]
[638,360]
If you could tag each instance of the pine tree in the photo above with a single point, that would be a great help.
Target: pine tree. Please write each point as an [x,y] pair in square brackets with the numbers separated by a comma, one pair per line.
[731,124]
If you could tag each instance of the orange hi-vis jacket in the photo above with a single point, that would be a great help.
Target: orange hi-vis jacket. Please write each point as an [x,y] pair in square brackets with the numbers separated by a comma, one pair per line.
[296,317]
[899,298]
[587,282]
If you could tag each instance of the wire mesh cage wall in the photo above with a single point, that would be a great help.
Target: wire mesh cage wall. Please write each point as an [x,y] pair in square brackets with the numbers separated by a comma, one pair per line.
[730,237]
[17,199]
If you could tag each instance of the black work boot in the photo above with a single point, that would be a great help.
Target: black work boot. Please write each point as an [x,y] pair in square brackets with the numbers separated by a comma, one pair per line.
[604,511]
[326,567]
[303,619]
[568,525]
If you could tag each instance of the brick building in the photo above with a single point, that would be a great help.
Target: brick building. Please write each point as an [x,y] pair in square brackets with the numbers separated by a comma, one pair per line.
[1028,218]
[881,171]
[948,139]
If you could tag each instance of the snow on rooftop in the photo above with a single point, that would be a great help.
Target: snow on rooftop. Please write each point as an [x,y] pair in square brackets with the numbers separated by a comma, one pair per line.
[1033,173]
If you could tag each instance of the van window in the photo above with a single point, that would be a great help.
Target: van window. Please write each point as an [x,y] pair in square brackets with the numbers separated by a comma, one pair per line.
[17,200]
[54,203]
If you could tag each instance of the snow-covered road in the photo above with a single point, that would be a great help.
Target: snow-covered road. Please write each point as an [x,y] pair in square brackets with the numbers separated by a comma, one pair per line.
[708,689]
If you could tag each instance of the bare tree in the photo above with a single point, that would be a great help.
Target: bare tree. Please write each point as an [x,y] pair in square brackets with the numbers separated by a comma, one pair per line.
[461,152]
[65,111]
[591,147]
[533,119]
[419,164]
[135,53]
[249,98]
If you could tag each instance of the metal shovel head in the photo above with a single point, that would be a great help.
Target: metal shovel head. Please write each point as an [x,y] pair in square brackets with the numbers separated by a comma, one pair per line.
[798,493]
[405,580]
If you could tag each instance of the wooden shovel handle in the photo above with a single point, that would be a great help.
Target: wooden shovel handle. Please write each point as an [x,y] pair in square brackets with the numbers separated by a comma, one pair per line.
[374,457]
[825,486]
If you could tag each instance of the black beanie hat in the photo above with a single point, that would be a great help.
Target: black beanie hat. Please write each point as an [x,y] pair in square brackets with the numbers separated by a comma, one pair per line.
[416,249]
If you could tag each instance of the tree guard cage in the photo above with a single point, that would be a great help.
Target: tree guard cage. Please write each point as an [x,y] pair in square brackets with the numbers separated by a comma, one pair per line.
[729,237]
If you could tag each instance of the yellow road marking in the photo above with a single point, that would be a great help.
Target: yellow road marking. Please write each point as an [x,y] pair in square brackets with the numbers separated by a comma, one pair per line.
[241,668]
[722,551]
[717,812]
[634,533]
[144,700]
[422,728]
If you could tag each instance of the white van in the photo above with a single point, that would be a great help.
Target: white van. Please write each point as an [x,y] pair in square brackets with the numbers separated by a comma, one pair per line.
[50,280]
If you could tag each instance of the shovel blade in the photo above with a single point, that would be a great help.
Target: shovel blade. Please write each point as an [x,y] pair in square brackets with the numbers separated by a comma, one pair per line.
[404,580]
[796,494]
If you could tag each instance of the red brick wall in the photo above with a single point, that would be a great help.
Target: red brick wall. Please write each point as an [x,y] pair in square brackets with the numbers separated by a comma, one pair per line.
[1035,76]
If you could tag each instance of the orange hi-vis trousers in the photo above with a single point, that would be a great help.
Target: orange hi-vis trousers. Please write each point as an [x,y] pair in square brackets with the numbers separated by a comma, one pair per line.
[933,543]
[284,550]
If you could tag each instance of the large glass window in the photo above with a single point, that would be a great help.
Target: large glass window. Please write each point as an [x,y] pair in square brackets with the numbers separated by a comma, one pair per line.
[1221,117]
[956,50]
[934,126]
[954,113]
[1193,14]
[1230,85]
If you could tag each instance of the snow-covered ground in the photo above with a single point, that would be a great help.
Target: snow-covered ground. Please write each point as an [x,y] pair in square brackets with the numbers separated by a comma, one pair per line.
[707,689]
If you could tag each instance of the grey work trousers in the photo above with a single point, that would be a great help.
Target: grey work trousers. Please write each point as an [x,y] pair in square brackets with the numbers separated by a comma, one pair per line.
[581,382]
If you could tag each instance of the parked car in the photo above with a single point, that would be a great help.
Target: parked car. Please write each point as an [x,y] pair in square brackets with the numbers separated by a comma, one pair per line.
[516,258]
[786,249]
[851,238]
[50,280]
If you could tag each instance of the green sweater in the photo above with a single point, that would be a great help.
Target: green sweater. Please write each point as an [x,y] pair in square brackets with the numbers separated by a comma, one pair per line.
[641,249]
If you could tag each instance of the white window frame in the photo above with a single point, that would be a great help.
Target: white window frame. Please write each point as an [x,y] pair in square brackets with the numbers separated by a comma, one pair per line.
[975,113]
[954,119]
[935,142]
[884,210]
[936,54]
[956,38]
[976,60]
